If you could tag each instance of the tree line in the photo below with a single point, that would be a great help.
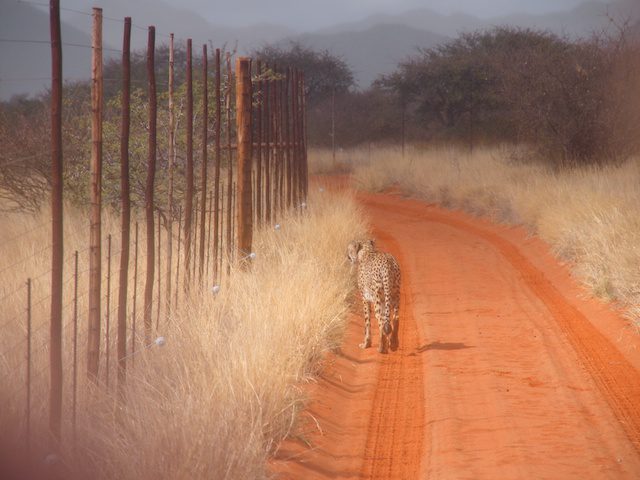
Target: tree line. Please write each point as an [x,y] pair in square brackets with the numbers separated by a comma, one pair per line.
[567,100]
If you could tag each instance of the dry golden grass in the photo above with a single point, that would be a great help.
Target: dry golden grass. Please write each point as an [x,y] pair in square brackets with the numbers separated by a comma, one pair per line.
[321,161]
[217,398]
[588,215]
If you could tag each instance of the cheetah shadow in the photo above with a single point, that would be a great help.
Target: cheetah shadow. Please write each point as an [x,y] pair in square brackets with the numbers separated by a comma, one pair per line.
[443,346]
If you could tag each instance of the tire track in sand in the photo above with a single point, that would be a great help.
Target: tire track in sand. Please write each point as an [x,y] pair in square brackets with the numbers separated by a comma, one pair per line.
[394,445]
[616,378]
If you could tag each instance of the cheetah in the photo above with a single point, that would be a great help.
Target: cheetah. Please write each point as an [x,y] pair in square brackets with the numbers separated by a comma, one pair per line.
[379,282]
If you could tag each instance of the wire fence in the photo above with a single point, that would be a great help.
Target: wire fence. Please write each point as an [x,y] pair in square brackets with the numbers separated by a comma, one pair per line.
[132,281]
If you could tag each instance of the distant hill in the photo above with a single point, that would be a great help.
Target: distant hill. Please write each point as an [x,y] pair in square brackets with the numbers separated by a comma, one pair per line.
[579,21]
[169,19]
[374,45]
[26,67]
[23,21]
[371,46]
[372,51]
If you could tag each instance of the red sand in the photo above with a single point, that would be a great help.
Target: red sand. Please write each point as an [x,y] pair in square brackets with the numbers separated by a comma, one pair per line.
[506,369]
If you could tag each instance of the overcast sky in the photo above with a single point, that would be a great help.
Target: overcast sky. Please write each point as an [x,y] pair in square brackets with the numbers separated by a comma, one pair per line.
[311,14]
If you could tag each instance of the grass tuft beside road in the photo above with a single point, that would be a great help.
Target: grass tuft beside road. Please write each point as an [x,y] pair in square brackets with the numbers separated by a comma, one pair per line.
[216,399]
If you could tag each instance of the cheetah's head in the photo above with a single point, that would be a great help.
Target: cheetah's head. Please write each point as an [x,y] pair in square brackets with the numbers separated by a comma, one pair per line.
[356,249]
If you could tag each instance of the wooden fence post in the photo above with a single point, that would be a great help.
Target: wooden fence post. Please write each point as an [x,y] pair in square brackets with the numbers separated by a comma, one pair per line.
[288,94]
[159,269]
[148,194]
[295,139]
[333,127]
[282,159]
[172,161]
[57,248]
[229,160]
[126,204]
[188,201]
[221,230]
[259,140]
[74,387]
[203,176]
[107,313]
[209,228]
[303,124]
[216,178]
[244,219]
[195,238]
[95,249]
[273,107]
[178,257]
[277,184]
[267,151]
[135,296]
[28,379]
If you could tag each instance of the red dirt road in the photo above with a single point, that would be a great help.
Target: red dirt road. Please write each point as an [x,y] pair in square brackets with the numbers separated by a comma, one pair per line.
[506,370]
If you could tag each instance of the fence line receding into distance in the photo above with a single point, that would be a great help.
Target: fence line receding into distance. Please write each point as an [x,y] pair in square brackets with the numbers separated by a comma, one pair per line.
[260,171]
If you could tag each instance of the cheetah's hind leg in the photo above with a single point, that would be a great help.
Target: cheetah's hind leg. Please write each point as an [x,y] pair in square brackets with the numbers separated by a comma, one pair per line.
[394,343]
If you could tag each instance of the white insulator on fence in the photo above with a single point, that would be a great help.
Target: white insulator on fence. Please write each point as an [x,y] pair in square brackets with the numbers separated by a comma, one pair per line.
[277,226]
[303,205]
[160,341]
[215,289]
[251,255]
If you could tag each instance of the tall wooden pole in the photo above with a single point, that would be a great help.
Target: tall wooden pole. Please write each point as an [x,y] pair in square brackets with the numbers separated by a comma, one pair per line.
[203,175]
[126,204]
[27,409]
[244,215]
[55,352]
[195,238]
[267,152]
[333,125]
[159,269]
[274,148]
[216,179]
[300,141]
[221,229]
[107,316]
[403,108]
[295,92]
[95,254]
[229,160]
[209,228]
[305,167]
[282,158]
[151,174]
[259,140]
[278,142]
[288,94]
[172,162]
[188,201]
[134,302]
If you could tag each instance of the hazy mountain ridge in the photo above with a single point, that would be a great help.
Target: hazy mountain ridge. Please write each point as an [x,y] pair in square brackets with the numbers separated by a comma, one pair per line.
[581,20]
[26,67]
[374,45]
[371,46]
[375,50]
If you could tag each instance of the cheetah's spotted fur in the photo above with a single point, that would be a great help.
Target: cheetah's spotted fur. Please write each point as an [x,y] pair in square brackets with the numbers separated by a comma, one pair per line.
[379,282]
